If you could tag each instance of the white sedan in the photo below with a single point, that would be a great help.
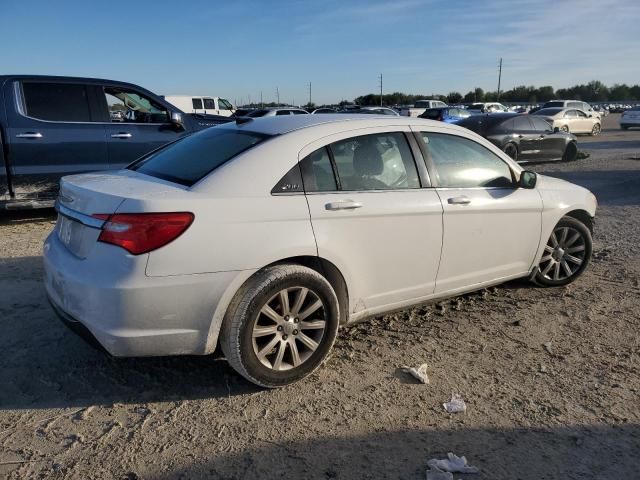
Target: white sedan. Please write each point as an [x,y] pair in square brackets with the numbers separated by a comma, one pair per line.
[264,236]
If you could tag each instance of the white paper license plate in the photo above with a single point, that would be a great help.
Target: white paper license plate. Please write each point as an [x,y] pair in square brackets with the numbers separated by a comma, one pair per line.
[65,230]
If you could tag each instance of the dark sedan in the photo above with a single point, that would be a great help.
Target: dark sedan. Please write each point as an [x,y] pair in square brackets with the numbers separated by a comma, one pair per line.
[524,138]
[445,114]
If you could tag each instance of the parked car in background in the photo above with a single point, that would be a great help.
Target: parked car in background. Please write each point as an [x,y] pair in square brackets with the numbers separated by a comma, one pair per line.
[630,118]
[205,105]
[524,138]
[487,107]
[324,110]
[373,111]
[276,112]
[571,120]
[420,106]
[55,126]
[577,104]
[179,252]
[445,114]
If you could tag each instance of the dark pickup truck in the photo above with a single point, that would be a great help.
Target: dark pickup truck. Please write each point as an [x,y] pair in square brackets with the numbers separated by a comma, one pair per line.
[56,126]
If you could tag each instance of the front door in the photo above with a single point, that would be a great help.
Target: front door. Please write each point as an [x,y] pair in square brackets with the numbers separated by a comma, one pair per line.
[138,125]
[52,131]
[372,218]
[491,227]
[552,144]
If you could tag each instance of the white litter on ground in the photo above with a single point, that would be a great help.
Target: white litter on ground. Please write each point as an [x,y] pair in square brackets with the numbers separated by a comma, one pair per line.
[420,373]
[453,464]
[435,474]
[455,405]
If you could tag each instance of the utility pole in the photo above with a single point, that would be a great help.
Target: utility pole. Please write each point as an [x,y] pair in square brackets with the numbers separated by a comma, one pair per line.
[380,89]
[309,94]
[499,77]
[261,103]
[278,96]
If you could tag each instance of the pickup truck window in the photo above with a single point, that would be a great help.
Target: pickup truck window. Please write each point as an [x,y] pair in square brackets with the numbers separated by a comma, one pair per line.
[193,158]
[135,108]
[197,103]
[57,102]
[209,104]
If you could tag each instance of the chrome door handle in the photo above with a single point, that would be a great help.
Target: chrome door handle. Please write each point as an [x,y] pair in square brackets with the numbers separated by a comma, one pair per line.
[462,200]
[29,135]
[343,205]
[121,135]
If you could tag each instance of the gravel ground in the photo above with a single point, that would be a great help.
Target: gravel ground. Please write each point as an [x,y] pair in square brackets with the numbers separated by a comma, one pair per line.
[550,377]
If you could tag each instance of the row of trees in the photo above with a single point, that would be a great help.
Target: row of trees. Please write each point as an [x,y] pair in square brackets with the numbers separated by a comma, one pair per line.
[594,91]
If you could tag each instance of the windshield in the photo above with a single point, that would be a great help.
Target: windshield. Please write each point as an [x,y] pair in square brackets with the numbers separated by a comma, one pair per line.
[192,158]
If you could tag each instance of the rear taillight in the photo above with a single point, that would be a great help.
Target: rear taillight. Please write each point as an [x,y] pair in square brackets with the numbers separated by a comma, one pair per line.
[143,232]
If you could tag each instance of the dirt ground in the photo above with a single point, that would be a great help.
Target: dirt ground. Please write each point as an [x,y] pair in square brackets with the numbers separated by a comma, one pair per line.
[551,377]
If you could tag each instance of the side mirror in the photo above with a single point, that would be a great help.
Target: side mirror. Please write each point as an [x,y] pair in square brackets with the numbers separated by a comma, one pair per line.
[177,120]
[528,179]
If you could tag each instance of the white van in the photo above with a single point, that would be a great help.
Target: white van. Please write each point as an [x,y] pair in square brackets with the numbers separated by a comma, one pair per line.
[197,104]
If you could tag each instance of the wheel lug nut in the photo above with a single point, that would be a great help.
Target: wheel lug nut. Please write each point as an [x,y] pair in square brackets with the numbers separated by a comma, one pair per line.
[295,332]
[286,317]
[285,336]
[296,320]
[279,328]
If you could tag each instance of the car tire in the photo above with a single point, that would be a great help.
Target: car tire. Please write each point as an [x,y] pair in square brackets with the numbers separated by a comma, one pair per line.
[570,152]
[274,349]
[511,149]
[566,254]
[565,128]
[595,130]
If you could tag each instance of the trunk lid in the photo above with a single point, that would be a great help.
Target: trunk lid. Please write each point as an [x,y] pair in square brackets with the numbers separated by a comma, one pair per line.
[82,196]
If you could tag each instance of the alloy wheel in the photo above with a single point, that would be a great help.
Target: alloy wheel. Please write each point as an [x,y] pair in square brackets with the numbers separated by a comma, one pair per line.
[596,129]
[563,255]
[289,328]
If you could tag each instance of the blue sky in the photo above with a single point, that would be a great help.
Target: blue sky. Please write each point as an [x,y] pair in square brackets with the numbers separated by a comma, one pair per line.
[238,49]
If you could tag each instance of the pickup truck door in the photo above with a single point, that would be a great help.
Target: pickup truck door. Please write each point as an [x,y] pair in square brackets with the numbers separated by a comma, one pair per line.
[142,124]
[52,131]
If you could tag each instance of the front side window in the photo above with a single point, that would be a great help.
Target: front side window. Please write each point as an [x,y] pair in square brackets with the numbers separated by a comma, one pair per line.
[136,107]
[196,103]
[381,161]
[57,102]
[570,114]
[194,157]
[522,124]
[463,163]
[224,104]
[209,104]
[541,125]
[581,114]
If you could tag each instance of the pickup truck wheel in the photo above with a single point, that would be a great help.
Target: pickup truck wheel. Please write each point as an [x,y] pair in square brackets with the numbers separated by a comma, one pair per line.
[512,150]
[566,255]
[281,325]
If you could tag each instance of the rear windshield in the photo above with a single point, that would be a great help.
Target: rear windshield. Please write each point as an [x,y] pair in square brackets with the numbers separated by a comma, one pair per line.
[553,104]
[432,113]
[192,158]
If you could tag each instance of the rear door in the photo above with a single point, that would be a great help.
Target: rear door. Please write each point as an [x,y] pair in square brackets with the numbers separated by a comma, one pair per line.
[491,227]
[53,130]
[528,138]
[372,217]
[144,126]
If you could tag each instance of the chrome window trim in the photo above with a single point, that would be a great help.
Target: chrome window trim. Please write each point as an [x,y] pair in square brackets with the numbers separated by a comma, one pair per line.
[19,98]
[85,220]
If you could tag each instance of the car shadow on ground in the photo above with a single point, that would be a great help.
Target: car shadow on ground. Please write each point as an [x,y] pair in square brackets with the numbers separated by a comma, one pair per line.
[611,145]
[45,365]
[584,452]
[9,217]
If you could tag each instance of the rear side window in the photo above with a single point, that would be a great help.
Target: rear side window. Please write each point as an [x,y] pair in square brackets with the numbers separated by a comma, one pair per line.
[192,158]
[209,104]
[381,161]
[522,124]
[197,103]
[540,124]
[57,102]
[463,163]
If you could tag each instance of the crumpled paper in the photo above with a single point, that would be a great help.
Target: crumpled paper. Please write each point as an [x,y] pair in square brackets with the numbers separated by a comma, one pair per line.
[435,474]
[455,405]
[453,464]
[420,373]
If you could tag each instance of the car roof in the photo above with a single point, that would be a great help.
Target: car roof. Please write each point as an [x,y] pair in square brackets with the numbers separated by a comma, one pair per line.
[289,123]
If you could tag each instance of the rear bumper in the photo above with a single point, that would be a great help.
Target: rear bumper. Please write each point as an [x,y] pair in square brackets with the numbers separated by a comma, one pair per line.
[108,299]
